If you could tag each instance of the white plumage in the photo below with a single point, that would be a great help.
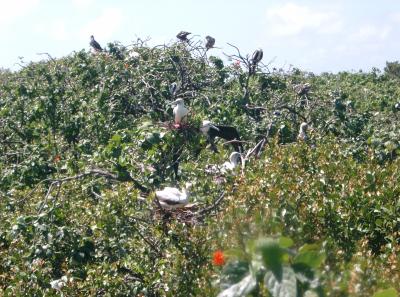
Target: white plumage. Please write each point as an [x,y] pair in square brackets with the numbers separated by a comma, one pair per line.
[303,131]
[226,167]
[205,127]
[171,198]
[180,111]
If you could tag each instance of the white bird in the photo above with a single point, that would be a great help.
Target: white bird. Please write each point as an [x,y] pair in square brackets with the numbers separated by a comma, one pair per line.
[180,111]
[171,198]
[226,167]
[303,132]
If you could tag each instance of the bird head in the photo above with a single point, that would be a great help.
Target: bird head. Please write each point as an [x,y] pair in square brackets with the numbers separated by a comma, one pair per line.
[303,127]
[91,37]
[206,125]
[234,158]
[178,102]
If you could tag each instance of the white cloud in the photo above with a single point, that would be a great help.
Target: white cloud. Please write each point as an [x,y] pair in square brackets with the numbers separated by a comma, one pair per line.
[12,10]
[292,19]
[103,26]
[58,30]
[82,4]
[371,33]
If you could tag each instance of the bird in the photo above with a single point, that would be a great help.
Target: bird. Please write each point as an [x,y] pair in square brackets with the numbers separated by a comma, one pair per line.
[210,41]
[95,45]
[302,89]
[303,132]
[255,59]
[226,132]
[397,106]
[182,36]
[180,111]
[228,165]
[173,88]
[172,198]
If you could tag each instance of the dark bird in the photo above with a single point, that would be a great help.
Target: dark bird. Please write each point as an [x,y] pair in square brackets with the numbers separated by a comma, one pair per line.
[210,41]
[173,88]
[228,133]
[255,59]
[95,45]
[257,56]
[302,89]
[182,36]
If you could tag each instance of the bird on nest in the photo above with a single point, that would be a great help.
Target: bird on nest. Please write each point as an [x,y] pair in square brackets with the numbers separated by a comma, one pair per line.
[180,112]
[226,167]
[303,132]
[172,198]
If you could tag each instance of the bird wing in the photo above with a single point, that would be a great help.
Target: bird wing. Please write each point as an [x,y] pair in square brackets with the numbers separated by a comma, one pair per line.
[172,195]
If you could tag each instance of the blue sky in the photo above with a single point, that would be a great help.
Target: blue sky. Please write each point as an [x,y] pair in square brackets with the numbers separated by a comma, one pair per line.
[311,35]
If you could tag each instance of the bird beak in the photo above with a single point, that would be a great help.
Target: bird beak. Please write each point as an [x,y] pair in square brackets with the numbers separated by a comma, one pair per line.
[212,126]
[173,103]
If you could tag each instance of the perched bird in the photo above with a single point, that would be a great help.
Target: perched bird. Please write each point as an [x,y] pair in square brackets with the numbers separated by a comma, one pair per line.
[180,111]
[173,88]
[303,132]
[210,41]
[171,198]
[397,106]
[226,132]
[302,89]
[255,59]
[182,36]
[257,56]
[95,45]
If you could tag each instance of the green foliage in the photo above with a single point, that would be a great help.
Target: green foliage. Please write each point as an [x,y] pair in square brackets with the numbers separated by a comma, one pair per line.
[85,140]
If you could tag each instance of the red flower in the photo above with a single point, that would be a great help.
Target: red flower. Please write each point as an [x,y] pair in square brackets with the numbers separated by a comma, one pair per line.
[57,158]
[218,258]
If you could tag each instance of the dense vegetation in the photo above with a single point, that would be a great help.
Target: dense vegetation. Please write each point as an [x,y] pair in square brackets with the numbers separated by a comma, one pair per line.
[82,139]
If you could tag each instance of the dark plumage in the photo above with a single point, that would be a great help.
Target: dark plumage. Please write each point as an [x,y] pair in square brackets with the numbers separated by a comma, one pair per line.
[95,45]
[255,59]
[226,132]
[182,36]
[257,56]
[210,41]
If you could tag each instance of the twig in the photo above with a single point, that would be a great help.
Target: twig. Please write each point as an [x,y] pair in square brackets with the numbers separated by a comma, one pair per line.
[204,211]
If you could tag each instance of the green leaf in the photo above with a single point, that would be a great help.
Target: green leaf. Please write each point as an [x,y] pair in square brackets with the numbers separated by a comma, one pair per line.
[272,255]
[312,259]
[286,287]
[285,242]
[391,292]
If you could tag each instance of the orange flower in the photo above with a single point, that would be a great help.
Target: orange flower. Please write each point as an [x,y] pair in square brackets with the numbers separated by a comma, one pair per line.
[57,158]
[218,258]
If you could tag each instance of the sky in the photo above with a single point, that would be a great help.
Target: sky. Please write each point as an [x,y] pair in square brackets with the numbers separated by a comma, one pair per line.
[313,35]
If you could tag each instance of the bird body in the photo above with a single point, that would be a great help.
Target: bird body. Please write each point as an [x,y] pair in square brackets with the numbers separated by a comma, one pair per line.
[226,132]
[180,111]
[171,198]
[303,132]
[95,45]
[182,36]
[226,167]
[257,56]
[210,41]
[255,59]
